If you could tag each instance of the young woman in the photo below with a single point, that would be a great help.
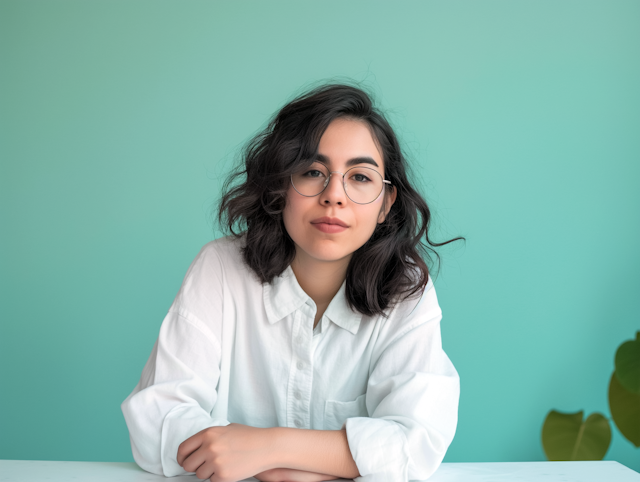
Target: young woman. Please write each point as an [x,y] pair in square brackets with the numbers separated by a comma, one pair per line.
[305,346]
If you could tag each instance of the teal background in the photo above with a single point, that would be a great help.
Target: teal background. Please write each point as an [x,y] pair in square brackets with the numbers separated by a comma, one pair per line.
[119,121]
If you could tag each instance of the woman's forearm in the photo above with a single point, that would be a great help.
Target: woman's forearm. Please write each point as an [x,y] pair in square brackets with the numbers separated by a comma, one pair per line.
[317,451]
[292,475]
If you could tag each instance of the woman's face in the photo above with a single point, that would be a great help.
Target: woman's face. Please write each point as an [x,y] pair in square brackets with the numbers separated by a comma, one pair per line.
[311,221]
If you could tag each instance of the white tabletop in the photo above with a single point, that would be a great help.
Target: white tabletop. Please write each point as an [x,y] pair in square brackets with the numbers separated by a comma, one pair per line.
[55,471]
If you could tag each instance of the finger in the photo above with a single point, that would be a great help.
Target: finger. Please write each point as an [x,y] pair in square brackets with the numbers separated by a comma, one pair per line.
[216,477]
[186,448]
[194,461]
[205,471]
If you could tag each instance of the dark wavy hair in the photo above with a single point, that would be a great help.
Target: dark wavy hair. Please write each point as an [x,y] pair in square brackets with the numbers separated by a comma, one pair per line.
[390,266]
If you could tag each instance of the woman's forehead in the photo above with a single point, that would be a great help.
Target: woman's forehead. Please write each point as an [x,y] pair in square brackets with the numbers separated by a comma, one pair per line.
[349,142]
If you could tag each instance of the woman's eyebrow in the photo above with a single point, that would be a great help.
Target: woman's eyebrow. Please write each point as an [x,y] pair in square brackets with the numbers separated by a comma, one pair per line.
[351,162]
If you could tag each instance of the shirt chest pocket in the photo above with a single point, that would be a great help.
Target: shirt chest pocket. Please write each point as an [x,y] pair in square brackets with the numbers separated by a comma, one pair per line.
[336,413]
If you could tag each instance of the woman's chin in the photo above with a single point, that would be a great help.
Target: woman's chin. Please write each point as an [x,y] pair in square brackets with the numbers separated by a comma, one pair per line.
[325,254]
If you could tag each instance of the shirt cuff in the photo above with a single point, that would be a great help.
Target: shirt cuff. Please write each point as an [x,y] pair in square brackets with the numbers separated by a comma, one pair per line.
[379,449]
[178,426]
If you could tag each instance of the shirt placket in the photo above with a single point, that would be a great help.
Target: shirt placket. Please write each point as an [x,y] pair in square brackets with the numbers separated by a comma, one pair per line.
[301,370]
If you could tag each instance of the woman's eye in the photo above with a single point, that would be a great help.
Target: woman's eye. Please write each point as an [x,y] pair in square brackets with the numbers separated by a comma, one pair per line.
[313,173]
[360,178]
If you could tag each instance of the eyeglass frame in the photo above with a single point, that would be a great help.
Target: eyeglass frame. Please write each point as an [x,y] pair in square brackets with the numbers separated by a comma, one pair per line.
[344,185]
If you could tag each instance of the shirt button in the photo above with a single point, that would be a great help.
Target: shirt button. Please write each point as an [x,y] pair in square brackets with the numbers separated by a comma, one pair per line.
[300,365]
[297,422]
[299,340]
[297,395]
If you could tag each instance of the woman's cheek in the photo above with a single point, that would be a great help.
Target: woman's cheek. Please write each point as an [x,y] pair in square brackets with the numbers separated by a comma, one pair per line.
[372,217]
[293,220]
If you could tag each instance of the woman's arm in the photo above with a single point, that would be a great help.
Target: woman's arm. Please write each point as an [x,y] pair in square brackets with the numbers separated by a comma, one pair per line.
[412,399]
[175,395]
[235,452]
[317,451]
[178,389]
[292,475]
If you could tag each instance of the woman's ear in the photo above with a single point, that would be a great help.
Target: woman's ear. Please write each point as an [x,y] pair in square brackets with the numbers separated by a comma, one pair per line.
[389,199]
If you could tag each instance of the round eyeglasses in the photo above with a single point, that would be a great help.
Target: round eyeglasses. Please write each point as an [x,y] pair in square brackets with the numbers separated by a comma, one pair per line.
[363,185]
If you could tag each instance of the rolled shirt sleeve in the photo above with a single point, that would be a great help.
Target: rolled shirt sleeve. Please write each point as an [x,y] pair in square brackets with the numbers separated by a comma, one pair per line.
[176,393]
[412,400]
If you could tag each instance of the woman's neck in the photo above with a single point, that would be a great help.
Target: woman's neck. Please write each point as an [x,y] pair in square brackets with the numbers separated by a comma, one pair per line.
[321,280]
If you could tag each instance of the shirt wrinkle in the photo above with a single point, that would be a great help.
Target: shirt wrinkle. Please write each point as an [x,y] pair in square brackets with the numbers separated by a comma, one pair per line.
[194,321]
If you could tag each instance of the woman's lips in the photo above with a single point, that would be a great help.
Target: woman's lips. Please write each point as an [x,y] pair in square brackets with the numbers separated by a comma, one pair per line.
[329,225]
[329,228]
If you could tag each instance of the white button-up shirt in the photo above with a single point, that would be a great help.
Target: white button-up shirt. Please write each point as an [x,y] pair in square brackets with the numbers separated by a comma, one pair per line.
[232,349]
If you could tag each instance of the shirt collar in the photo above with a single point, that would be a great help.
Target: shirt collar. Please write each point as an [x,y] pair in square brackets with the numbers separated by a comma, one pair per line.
[341,314]
[284,295]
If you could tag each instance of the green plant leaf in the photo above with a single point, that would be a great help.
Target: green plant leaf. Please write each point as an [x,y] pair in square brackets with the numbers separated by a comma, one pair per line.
[625,410]
[628,364]
[565,436]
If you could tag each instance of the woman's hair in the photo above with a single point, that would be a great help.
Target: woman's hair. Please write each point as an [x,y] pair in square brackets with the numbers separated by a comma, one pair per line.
[390,266]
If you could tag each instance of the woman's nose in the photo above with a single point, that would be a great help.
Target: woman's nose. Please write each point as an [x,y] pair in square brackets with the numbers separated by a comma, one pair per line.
[334,192]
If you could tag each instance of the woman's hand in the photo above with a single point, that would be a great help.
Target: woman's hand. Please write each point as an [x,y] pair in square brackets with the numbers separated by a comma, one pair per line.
[291,475]
[226,454]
